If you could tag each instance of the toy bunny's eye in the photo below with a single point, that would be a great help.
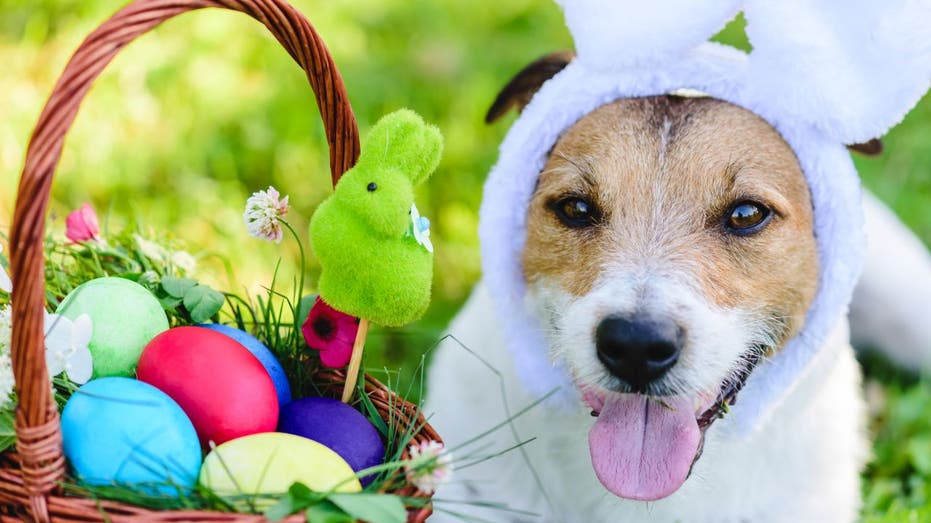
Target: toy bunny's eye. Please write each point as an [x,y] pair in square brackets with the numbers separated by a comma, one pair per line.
[372,186]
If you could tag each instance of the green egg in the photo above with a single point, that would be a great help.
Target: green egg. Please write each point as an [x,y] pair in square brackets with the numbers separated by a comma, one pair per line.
[270,462]
[125,318]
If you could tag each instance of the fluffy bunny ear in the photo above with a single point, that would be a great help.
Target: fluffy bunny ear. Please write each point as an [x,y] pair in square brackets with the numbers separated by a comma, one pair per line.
[402,141]
[615,34]
[852,68]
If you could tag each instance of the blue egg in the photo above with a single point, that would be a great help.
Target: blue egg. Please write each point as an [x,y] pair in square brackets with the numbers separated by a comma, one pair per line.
[263,354]
[123,431]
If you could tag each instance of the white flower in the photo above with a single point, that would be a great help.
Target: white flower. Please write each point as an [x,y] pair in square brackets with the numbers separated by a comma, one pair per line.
[150,249]
[6,285]
[66,346]
[184,261]
[156,252]
[6,328]
[6,362]
[65,349]
[264,210]
[420,228]
[429,466]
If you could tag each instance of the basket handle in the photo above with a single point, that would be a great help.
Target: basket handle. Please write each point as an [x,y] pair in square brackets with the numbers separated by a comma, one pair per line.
[37,425]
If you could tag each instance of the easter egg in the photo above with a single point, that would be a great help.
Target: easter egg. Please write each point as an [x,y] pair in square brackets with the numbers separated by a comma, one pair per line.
[219,384]
[125,317]
[263,354]
[270,463]
[338,426]
[122,431]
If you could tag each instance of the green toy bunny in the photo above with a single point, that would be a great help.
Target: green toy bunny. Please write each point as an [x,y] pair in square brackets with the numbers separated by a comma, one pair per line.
[374,249]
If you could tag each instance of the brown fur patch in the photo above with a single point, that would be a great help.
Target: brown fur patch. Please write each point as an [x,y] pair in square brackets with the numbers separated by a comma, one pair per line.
[663,171]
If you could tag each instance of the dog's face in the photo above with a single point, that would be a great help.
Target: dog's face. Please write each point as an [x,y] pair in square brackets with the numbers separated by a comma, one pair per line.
[689,220]
[669,245]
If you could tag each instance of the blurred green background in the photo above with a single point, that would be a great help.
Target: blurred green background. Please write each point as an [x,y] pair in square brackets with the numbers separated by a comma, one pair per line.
[190,120]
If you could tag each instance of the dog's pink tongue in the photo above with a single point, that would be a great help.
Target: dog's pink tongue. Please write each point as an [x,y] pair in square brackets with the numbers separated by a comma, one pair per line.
[643,449]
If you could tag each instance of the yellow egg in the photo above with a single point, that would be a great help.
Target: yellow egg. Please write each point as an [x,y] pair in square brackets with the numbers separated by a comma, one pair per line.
[270,462]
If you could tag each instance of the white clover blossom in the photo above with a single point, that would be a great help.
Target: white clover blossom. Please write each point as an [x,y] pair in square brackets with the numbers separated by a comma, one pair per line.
[264,210]
[150,249]
[6,361]
[66,347]
[154,251]
[184,261]
[420,229]
[429,466]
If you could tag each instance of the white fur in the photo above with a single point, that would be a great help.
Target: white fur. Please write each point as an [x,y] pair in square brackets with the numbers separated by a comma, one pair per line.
[634,34]
[720,72]
[822,73]
[717,339]
[820,87]
[890,306]
[801,466]
[851,68]
[809,450]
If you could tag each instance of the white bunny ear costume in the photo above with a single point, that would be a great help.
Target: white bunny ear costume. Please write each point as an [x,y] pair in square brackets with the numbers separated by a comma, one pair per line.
[822,72]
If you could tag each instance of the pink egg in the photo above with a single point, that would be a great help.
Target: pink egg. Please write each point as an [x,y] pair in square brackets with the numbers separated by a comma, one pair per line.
[218,383]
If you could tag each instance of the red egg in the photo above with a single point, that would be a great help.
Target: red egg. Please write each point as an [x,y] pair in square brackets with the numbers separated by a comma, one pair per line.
[218,383]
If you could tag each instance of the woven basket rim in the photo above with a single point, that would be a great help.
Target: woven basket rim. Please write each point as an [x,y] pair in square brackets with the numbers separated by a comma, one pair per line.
[30,475]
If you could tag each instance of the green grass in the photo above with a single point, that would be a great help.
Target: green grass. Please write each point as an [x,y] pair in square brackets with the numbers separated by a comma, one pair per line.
[191,119]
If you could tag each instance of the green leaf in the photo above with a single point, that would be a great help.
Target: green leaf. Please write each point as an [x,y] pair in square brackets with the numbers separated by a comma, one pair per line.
[7,429]
[202,302]
[298,498]
[280,510]
[170,302]
[302,492]
[373,508]
[327,512]
[178,287]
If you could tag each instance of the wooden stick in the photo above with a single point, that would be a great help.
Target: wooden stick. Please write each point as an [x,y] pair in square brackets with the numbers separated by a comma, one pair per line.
[355,361]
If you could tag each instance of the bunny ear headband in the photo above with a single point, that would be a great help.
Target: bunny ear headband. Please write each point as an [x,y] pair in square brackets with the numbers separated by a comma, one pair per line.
[822,72]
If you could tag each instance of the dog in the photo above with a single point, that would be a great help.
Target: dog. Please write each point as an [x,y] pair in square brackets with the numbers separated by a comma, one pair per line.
[670,251]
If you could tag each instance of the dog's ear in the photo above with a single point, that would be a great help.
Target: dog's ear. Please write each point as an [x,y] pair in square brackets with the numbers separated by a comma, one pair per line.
[873,147]
[525,84]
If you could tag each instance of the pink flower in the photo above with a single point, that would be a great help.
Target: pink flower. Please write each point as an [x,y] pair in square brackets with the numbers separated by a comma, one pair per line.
[82,225]
[331,332]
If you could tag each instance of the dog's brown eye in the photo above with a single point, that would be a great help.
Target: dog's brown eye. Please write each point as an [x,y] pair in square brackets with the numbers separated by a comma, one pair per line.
[575,212]
[747,217]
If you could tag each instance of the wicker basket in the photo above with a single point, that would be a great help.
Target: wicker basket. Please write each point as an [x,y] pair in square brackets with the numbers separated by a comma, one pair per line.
[30,476]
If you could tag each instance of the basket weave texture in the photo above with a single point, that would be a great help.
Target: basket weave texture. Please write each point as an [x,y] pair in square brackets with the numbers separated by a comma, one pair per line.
[30,476]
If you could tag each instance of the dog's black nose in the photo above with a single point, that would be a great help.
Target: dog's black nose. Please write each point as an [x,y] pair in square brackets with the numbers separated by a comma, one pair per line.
[638,350]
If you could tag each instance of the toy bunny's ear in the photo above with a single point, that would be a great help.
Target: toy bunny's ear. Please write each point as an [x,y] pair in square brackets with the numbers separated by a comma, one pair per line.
[428,157]
[616,34]
[852,68]
[403,141]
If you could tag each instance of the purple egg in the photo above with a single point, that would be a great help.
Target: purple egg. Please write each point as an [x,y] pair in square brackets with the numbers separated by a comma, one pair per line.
[338,426]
